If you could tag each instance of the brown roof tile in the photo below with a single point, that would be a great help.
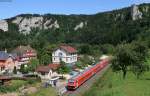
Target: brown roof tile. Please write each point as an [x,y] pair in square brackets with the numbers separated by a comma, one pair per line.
[68,48]
[46,69]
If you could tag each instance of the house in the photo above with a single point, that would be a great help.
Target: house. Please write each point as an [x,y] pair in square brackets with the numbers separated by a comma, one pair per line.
[24,54]
[46,72]
[7,62]
[66,53]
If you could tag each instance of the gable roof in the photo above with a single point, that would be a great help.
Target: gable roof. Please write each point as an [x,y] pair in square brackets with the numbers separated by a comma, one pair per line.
[46,69]
[54,66]
[68,48]
[20,50]
[4,55]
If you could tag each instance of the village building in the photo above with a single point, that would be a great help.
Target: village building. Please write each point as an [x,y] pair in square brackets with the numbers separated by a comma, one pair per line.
[7,62]
[24,54]
[65,53]
[47,72]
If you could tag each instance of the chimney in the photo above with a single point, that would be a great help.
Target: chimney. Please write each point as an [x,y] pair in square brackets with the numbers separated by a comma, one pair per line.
[20,46]
[5,50]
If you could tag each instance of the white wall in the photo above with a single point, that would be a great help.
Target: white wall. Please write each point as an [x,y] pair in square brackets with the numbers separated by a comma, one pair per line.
[67,58]
[46,76]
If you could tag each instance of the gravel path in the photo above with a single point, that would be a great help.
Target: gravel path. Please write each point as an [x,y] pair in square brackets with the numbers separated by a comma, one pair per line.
[85,86]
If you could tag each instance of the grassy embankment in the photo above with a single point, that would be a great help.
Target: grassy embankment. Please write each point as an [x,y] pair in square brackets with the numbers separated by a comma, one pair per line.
[45,92]
[13,86]
[112,84]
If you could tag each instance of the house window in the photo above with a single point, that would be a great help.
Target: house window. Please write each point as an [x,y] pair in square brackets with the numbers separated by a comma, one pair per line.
[71,58]
[42,73]
[2,68]
[60,55]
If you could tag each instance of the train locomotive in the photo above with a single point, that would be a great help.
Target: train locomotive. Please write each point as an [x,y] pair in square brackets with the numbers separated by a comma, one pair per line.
[78,80]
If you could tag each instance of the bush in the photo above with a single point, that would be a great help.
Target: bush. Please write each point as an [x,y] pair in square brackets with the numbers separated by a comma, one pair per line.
[14,86]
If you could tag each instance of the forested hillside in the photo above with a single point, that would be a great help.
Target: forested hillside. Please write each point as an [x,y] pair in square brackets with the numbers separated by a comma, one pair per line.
[114,27]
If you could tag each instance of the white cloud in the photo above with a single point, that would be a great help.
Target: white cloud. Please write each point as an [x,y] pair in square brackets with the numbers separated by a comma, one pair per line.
[141,1]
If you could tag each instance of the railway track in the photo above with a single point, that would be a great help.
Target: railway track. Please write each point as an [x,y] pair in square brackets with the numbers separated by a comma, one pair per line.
[86,85]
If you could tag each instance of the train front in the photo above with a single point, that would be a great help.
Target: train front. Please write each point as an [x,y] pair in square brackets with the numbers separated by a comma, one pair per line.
[72,84]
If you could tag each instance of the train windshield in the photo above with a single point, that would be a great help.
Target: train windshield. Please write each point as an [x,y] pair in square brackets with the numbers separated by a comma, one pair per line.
[71,81]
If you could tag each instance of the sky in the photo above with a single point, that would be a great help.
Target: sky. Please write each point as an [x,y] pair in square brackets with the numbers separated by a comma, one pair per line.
[10,8]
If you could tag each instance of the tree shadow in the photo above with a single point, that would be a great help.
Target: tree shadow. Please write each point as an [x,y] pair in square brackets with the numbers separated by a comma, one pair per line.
[147,78]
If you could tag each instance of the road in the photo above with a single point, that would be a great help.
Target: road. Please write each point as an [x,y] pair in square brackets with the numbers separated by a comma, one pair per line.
[85,86]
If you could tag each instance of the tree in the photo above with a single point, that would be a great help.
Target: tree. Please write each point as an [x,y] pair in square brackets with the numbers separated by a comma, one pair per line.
[33,64]
[140,66]
[15,70]
[79,64]
[44,57]
[85,49]
[131,56]
[24,69]
[123,58]
[45,53]
[107,48]
[86,60]
[63,69]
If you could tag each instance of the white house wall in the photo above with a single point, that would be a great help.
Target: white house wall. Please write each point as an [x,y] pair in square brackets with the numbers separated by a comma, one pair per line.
[55,56]
[66,57]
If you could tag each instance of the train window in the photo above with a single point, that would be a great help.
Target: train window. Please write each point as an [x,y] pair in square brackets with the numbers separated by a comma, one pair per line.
[71,81]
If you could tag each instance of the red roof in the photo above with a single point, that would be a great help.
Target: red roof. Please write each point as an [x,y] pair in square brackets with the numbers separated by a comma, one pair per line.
[68,48]
[54,66]
[47,68]
[44,69]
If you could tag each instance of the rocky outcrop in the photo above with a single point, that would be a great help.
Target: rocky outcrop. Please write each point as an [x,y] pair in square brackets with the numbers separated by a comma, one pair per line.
[17,20]
[135,12]
[48,24]
[26,24]
[145,9]
[56,25]
[80,26]
[3,25]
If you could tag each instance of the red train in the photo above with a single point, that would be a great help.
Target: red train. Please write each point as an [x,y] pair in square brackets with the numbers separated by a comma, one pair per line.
[78,80]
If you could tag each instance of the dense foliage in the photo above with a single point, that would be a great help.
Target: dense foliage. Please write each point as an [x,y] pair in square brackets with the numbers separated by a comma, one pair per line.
[109,27]
[100,34]
[131,57]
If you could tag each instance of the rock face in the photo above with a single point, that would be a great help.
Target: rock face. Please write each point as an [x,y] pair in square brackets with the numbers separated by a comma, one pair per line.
[3,25]
[17,20]
[136,14]
[26,24]
[80,26]
[48,24]
[146,9]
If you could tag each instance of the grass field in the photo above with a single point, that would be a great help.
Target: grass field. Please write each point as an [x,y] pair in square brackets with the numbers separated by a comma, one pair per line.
[45,92]
[112,84]
[13,86]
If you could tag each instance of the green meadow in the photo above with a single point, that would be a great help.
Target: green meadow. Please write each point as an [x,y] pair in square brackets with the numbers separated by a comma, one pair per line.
[112,84]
